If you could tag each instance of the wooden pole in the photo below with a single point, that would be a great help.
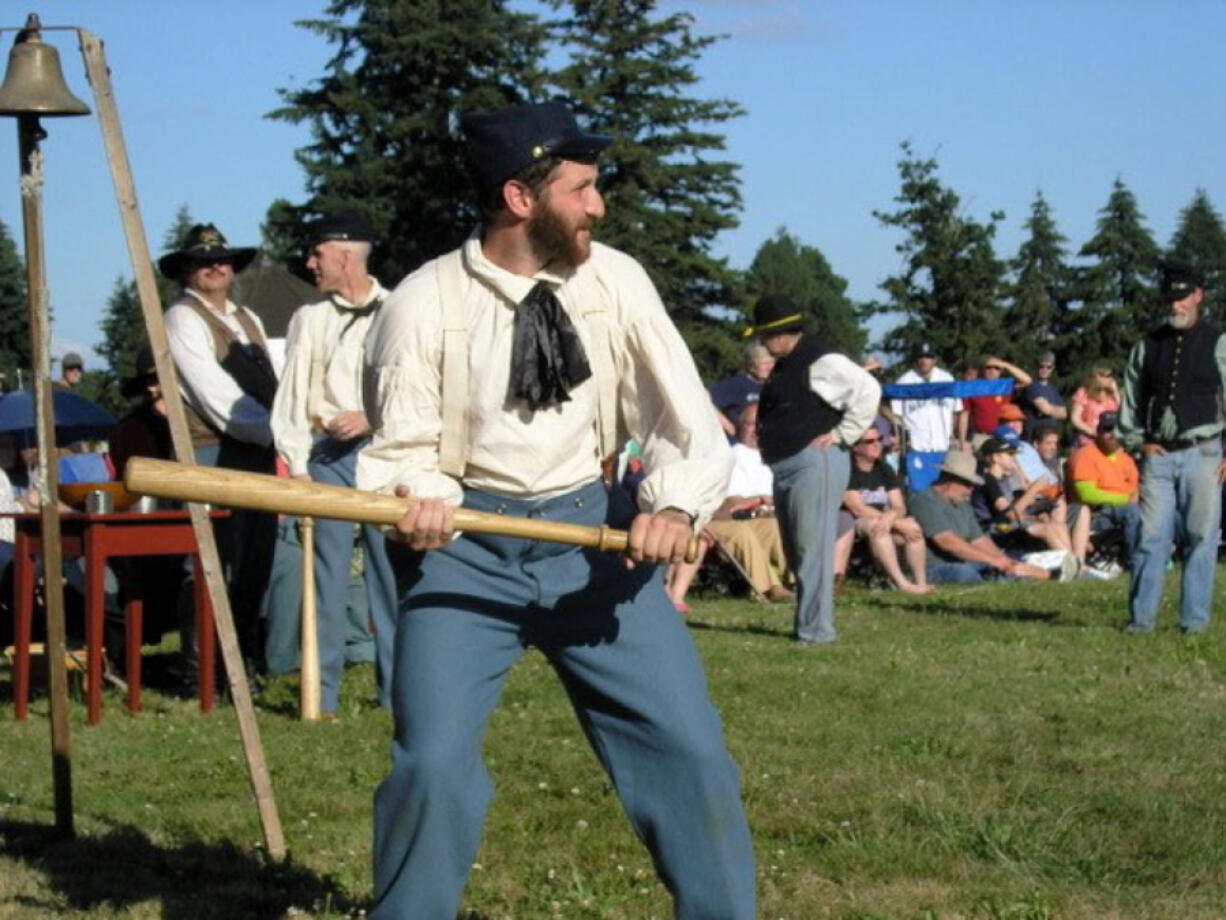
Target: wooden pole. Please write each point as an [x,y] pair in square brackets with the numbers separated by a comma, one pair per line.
[29,133]
[138,250]
[309,670]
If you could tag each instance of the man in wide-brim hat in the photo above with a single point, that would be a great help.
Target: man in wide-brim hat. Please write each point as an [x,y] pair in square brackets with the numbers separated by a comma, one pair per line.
[228,383]
[961,551]
[204,245]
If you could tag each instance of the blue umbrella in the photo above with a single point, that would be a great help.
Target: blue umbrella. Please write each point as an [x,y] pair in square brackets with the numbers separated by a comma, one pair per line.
[76,418]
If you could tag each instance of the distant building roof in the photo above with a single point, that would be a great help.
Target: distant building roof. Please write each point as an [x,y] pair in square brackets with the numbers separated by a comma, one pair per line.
[274,293]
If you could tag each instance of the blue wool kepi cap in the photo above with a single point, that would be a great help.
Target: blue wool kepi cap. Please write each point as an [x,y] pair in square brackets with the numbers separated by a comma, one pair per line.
[500,144]
[347,226]
[1008,435]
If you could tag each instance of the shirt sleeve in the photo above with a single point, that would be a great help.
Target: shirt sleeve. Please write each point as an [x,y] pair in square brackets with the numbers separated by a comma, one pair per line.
[291,424]
[402,394]
[666,409]
[211,391]
[848,388]
[1131,425]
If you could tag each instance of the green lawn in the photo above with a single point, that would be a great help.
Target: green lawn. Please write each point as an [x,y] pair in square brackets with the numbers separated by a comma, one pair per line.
[998,752]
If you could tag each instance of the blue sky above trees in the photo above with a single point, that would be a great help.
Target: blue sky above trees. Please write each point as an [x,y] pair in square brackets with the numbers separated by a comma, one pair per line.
[1008,97]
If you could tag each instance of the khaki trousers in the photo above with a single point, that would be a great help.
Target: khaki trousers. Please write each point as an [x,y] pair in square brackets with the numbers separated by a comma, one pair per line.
[757,545]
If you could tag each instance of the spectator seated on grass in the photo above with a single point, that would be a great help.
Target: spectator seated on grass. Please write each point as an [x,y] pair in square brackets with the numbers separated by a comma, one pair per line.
[1106,479]
[1019,504]
[960,551]
[874,510]
[744,525]
[1045,438]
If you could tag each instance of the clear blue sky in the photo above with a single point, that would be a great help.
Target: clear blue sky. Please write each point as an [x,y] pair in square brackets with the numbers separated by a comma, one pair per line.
[1010,97]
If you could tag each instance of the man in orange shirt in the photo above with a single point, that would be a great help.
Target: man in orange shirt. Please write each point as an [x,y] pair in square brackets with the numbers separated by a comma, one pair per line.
[1106,478]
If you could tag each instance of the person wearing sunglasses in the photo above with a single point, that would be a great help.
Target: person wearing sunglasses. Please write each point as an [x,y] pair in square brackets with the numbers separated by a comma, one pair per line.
[1040,400]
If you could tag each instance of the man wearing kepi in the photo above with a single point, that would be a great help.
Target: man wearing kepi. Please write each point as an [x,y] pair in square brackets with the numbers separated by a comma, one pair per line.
[320,425]
[816,404]
[1172,411]
[498,376]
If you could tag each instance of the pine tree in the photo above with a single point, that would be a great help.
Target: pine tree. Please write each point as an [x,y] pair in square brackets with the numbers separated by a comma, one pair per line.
[1038,315]
[14,311]
[668,192]
[123,336]
[382,117]
[1200,240]
[950,286]
[1117,288]
[784,265]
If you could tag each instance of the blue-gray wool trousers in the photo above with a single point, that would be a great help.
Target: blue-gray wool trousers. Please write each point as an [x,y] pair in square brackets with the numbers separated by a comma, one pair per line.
[468,612]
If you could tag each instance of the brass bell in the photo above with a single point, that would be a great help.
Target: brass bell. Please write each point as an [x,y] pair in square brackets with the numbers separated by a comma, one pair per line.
[34,83]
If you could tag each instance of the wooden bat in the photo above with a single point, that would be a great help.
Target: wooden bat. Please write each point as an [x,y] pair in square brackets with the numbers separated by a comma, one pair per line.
[308,691]
[235,489]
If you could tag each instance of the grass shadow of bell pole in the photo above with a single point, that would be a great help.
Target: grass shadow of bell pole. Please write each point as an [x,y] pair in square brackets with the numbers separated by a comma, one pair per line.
[192,881]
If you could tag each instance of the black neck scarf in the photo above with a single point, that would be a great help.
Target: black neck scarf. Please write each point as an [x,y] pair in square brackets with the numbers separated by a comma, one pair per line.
[356,313]
[547,357]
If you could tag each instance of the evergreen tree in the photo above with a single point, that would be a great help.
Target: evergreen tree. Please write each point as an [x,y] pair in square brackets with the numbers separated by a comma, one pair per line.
[14,311]
[784,265]
[667,190]
[123,324]
[1200,240]
[950,286]
[382,117]
[1038,315]
[1120,302]
[123,336]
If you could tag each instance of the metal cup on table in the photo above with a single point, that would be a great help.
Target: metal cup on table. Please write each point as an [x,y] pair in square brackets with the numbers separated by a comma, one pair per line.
[99,502]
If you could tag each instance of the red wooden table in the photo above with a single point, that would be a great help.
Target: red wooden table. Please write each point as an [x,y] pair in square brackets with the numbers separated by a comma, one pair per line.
[99,537]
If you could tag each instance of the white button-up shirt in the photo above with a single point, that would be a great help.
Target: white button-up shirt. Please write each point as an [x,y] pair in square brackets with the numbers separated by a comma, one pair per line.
[204,384]
[330,335]
[512,450]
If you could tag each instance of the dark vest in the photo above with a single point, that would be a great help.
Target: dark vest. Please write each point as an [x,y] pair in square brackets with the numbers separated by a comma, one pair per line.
[248,364]
[1180,371]
[790,414]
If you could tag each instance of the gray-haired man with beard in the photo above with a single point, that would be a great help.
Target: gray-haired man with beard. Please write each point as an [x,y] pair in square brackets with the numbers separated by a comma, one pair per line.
[498,376]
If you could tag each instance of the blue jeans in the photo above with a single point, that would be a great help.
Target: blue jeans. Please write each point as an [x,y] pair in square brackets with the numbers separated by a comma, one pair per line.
[333,462]
[633,676]
[809,488]
[1180,496]
[956,573]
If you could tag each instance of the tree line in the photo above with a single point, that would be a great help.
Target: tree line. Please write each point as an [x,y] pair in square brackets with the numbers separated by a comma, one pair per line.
[383,139]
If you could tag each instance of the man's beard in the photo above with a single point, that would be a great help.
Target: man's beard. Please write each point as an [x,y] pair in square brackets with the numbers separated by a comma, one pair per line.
[1180,321]
[554,241]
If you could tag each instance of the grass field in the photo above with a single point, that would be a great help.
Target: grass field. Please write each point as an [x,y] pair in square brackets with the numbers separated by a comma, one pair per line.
[993,752]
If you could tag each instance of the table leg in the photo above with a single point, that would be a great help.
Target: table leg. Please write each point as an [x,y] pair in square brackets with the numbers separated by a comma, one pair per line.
[23,605]
[95,604]
[134,629]
[204,639]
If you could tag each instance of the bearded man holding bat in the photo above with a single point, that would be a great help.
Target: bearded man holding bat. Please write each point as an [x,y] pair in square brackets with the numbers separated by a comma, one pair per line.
[497,377]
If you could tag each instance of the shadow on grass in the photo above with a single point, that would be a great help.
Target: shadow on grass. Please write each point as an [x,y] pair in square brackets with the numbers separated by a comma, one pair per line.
[952,607]
[193,881]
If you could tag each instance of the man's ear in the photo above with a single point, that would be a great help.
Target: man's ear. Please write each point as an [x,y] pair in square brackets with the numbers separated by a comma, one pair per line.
[518,198]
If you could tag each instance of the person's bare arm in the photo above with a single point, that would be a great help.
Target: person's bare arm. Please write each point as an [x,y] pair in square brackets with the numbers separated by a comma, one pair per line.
[981,550]
[1020,377]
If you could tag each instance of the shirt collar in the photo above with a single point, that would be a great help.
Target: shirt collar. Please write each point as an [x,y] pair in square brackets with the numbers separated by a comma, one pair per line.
[376,291]
[509,285]
[230,309]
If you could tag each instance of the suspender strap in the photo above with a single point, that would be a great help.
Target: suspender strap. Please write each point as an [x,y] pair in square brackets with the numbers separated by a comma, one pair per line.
[453,437]
[601,357]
